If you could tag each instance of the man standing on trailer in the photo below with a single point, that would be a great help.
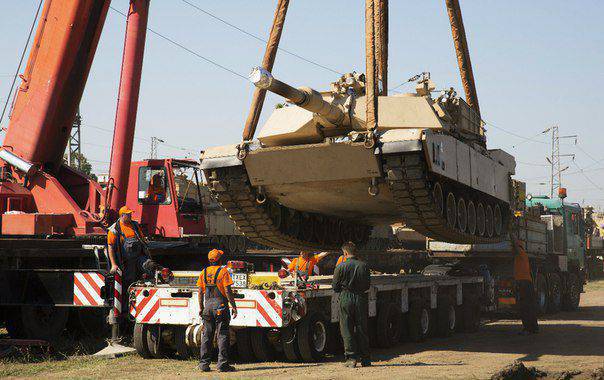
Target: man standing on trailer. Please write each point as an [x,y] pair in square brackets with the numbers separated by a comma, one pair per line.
[306,262]
[215,294]
[351,279]
[525,291]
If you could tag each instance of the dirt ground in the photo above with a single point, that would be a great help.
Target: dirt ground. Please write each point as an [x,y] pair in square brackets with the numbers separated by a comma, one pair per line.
[568,341]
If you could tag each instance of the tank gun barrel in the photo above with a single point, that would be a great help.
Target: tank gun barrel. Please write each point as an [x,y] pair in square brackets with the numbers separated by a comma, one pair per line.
[304,97]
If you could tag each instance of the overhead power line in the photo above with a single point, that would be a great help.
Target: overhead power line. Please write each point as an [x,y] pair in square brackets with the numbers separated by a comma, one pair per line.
[258,37]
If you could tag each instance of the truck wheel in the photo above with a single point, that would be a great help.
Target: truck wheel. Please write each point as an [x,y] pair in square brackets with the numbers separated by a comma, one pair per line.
[154,341]
[555,293]
[419,321]
[289,342]
[572,295]
[470,312]
[541,297]
[446,318]
[44,322]
[261,346]
[313,337]
[92,322]
[388,325]
[180,341]
[244,346]
[140,340]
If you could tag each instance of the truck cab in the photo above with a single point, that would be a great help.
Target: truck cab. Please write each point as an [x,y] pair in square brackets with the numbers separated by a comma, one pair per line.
[166,197]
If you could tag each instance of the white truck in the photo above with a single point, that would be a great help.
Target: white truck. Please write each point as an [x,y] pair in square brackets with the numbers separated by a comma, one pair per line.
[280,316]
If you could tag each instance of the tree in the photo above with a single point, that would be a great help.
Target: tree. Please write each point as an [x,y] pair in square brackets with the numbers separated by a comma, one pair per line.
[84,165]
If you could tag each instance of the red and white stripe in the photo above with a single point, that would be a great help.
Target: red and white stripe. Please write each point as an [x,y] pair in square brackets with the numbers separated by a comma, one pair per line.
[146,307]
[87,289]
[258,309]
[117,293]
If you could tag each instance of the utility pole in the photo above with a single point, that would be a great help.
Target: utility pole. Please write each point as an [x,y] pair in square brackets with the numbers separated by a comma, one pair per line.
[555,159]
[154,142]
[74,147]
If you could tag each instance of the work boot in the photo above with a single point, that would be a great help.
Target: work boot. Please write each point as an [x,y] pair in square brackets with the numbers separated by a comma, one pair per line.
[204,367]
[350,363]
[227,368]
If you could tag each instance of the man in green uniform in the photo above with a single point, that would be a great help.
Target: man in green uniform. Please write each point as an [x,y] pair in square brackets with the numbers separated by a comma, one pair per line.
[351,280]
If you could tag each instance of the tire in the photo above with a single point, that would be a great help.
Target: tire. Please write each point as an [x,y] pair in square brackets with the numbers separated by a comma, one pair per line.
[470,312]
[182,350]
[44,322]
[471,218]
[419,321]
[244,346]
[451,211]
[154,341]
[289,342]
[313,336]
[140,340]
[554,292]
[488,221]
[439,200]
[446,317]
[389,325]
[572,295]
[462,215]
[497,220]
[480,219]
[541,294]
[261,347]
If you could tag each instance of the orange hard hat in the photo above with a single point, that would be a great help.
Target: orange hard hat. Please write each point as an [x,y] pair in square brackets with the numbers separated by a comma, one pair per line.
[125,210]
[215,255]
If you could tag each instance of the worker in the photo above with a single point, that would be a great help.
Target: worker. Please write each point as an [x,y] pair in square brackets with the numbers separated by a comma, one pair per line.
[351,280]
[306,262]
[341,259]
[525,291]
[156,193]
[215,285]
[125,244]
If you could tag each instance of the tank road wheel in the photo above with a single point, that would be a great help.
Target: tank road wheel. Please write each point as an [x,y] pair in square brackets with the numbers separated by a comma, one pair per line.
[320,229]
[262,348]
[471,218]
[418,321]
[44,322]
[333,230]
[541,297]
[154,341]
[312,337]
[289,342]
[232,244]
[437,194]
[555,293]
[307,227]
[294,223]
[462,215]
[223,243]
[497,220]
[572,293]
[244,346]
[480,219]
[275,211]
[389,326]
[446,316]
[488,221]
[140,340]
[451,210]
[241,245]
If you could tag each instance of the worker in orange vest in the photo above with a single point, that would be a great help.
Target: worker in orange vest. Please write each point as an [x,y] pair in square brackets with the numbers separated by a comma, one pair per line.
[341,259]
[215,295]
[525,291]
[306,262]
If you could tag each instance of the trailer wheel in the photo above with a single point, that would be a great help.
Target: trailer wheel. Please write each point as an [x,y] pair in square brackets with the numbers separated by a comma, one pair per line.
[470,311]
[140,340]
[541,297]
[313,335]
[555,293]
[154,341]
[261,346]
[446,316]
[572,295]
[389,323]
[244,346]
[44,322]
[180,341]
[289,342]
[418,321]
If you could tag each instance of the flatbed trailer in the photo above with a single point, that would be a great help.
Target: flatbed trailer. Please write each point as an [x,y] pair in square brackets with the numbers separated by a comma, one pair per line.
[298,321]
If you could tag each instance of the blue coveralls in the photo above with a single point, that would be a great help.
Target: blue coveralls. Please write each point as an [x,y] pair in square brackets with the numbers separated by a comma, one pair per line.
[216,316]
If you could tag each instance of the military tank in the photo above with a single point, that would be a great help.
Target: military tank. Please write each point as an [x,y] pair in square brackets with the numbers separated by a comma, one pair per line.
[315,176]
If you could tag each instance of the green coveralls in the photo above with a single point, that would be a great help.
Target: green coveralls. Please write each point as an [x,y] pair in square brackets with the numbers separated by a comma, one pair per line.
[351,280]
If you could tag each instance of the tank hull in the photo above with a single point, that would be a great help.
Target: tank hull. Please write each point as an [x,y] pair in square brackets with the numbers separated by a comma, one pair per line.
[319,195]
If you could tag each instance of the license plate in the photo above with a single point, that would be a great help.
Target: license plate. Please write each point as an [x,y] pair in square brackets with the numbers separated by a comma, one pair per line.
[239,280]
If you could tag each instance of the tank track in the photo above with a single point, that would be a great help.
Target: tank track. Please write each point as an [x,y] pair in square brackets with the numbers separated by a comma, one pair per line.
[426,211]
[272,224]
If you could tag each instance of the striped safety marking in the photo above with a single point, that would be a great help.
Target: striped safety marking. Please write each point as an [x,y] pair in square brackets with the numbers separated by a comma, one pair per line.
[87,289]
[146,306]
[268,311]
[117,293]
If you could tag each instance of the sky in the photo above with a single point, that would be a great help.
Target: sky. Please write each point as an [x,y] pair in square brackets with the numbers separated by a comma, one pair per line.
[536,64]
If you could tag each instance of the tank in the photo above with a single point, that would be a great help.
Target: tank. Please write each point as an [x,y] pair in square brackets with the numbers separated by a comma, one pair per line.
[315,176]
